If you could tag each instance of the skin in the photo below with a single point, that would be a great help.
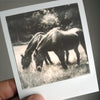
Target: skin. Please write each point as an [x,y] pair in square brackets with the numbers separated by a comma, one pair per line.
[8,91]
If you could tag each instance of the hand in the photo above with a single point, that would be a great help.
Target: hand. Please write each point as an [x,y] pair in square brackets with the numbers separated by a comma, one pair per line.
[8,90]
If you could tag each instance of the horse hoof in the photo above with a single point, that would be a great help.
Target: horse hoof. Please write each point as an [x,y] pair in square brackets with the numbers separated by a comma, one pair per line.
[23,68]
[69,63]
[39,69]
[47,63]
[52,63]
[78,64]
[65,67]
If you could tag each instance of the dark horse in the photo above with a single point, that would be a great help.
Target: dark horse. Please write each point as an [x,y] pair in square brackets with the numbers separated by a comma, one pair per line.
[27,58]
[79,32]
[58,41]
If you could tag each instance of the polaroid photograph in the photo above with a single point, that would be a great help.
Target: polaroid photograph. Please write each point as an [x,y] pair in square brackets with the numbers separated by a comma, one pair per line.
[50,50]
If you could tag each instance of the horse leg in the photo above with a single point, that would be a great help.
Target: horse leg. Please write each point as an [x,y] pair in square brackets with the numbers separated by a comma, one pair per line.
[48,58]
[83,45]
[67,56]
[82,41]
[78,55]
[60,55]
[45,59]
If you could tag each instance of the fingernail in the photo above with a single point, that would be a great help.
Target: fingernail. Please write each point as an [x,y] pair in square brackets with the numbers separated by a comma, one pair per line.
[36,97]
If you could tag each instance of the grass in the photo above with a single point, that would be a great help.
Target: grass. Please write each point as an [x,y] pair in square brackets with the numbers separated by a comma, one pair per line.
[30,77]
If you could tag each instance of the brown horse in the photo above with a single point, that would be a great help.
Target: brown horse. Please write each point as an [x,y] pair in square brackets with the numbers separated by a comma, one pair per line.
[58,41]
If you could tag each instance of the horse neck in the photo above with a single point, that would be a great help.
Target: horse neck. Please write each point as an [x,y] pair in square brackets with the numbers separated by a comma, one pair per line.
[32,46]
[28,53]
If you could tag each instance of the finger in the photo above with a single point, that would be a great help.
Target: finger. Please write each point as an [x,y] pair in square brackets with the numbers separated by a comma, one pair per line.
[7,89]
[15,98]
[35,97]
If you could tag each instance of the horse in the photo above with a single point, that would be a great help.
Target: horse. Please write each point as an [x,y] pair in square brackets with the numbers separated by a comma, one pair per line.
[58,41]
[79,32]
[27,58]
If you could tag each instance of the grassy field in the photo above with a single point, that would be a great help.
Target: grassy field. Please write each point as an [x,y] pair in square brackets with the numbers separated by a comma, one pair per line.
[30,77]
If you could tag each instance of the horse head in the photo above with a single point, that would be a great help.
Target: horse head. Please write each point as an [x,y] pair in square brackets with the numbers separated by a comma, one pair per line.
[38,58]
[25,61]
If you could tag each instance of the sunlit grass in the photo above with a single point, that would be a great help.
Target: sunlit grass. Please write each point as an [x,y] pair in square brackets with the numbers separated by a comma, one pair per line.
[30,77]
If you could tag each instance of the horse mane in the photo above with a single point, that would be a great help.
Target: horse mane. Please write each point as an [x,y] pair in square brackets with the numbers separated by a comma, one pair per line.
[30,42]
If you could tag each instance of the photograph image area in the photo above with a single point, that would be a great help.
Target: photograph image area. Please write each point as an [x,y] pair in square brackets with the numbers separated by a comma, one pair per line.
[48,45]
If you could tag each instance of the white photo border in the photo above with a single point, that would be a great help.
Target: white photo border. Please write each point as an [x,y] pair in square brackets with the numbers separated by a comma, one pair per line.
[59,90]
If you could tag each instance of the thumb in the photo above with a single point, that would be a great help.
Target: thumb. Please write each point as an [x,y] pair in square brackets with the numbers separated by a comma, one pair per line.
[35,97]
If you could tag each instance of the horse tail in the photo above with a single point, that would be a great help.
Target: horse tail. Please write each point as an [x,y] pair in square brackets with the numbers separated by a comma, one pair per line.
[81,39]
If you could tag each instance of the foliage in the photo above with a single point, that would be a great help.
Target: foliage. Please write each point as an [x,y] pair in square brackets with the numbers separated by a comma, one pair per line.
[23,26]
